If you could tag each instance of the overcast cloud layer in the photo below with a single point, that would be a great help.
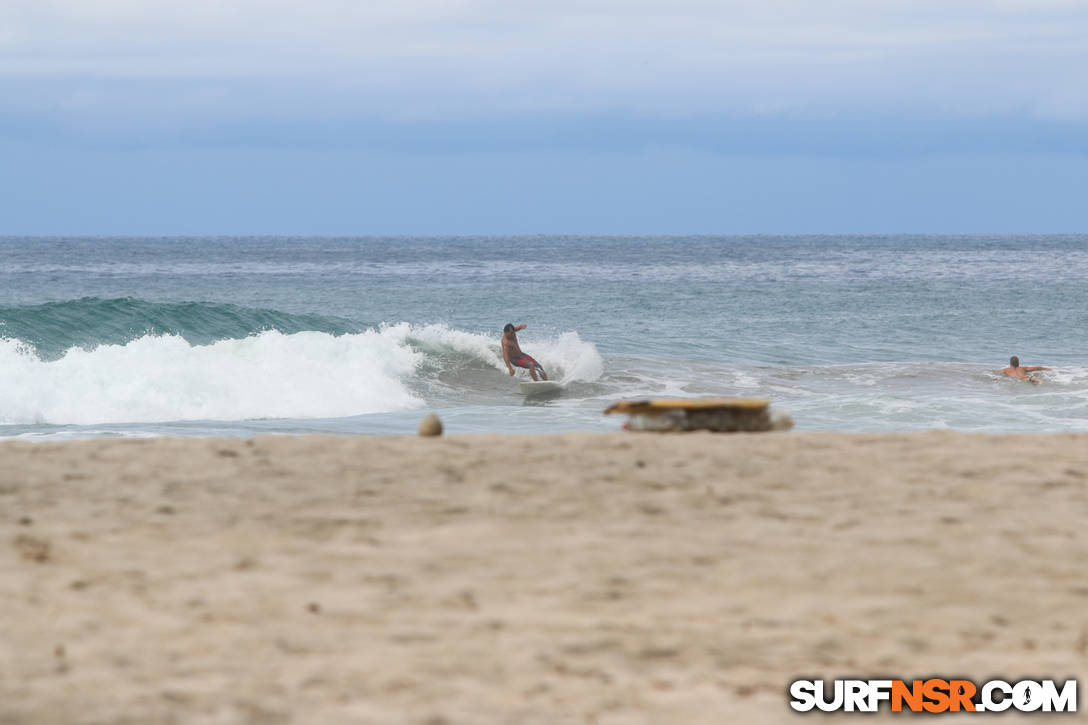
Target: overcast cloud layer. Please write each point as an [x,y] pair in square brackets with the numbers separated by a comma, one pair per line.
[525,116]
[435,59]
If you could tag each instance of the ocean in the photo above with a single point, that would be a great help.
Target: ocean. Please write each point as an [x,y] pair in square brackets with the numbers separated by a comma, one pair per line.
[251,335]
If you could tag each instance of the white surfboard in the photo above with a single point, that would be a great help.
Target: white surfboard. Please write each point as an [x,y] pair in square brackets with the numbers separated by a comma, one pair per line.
[539,387]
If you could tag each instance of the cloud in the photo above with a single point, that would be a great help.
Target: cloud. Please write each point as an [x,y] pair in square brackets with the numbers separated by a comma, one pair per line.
[463,59]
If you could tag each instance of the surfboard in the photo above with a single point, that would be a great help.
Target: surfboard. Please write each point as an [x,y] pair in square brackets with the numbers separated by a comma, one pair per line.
[660,405]
[723,415]
[539,387]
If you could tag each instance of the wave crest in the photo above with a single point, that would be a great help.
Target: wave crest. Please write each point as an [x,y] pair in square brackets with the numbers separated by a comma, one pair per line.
[54,327]
[166,378]
[269,374]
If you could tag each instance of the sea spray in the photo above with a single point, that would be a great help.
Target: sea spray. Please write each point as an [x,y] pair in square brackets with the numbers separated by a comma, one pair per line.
[570,357]
[265,375]
[444,343]
[566,357]
[164,378]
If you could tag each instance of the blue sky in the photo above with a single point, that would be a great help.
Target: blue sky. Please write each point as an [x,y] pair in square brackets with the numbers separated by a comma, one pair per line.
[598,116]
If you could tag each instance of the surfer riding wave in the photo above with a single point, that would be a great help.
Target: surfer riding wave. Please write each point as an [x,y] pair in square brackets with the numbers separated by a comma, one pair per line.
[514,357]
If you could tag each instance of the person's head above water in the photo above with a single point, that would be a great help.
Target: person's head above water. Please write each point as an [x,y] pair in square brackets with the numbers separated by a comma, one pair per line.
[509,327]
[1014,361]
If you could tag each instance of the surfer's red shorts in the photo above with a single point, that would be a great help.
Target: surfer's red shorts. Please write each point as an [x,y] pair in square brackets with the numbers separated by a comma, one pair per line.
[524,361]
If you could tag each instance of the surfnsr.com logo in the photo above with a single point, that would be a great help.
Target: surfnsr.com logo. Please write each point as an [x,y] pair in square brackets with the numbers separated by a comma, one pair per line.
[934,695]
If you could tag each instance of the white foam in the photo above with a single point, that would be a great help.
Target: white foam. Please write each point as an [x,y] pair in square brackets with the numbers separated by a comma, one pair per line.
[567,357]
[440,338]
[165,378]
[1066,375]
[745,380]
[160,378]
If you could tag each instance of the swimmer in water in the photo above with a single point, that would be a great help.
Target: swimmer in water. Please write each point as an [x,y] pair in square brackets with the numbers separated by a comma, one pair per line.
[1015,370]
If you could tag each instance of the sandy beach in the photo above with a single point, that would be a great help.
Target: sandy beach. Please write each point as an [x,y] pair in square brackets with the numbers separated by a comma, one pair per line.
[581,578]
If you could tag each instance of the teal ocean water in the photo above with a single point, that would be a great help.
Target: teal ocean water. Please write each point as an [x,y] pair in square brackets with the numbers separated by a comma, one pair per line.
[239,336]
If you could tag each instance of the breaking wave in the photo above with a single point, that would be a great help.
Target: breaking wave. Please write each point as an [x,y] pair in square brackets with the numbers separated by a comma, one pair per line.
[172,372]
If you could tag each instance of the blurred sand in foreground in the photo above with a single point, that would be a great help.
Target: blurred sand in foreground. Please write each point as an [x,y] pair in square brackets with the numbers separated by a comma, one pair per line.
[582,578]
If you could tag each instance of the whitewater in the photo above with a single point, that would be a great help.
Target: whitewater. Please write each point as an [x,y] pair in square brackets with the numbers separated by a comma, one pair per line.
[240,336]
[266,375]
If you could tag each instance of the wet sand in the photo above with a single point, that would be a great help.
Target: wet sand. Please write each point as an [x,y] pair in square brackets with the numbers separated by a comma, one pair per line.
[582,578]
